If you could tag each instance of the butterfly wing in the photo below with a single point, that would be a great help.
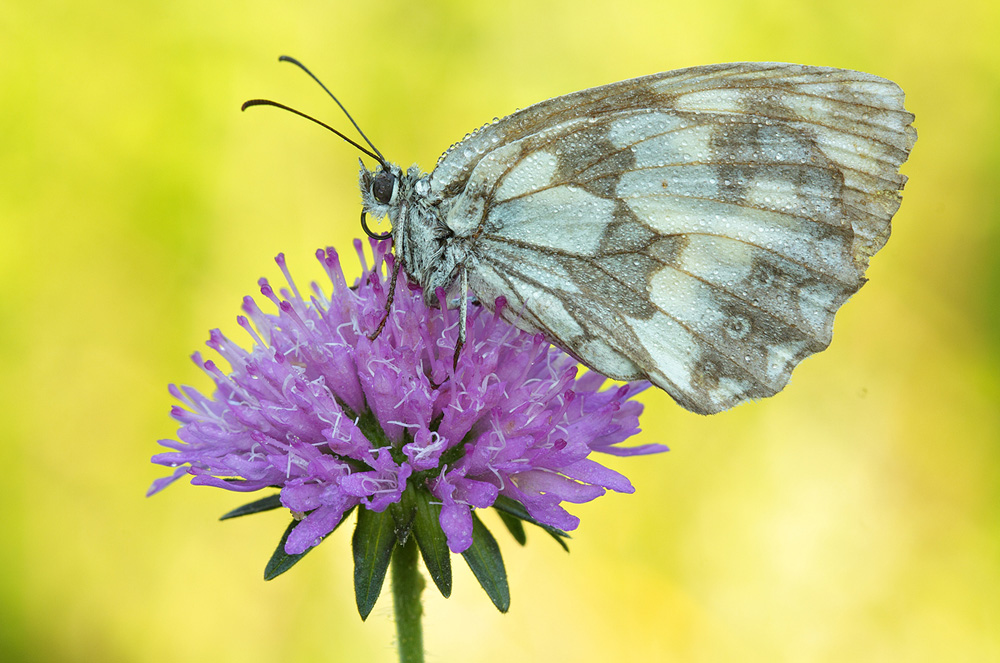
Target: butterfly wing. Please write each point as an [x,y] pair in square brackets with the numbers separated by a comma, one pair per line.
[697,228]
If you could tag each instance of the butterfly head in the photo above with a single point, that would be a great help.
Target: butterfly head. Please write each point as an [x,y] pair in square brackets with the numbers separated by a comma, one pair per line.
[380,190]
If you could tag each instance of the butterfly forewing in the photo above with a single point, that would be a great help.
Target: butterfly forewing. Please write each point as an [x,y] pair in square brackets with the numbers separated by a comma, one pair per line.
[698,228]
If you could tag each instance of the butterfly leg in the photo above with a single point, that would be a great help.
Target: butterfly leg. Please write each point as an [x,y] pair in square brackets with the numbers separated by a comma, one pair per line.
[388,301]
[463,315]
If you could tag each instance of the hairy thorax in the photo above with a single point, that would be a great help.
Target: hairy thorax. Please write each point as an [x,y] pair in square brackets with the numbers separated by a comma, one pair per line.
[419,234]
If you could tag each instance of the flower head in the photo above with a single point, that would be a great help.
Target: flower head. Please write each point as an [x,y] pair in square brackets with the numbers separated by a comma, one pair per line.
[337,420]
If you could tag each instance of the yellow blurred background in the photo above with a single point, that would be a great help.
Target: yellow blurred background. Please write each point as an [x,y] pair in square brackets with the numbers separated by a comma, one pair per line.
[852,517]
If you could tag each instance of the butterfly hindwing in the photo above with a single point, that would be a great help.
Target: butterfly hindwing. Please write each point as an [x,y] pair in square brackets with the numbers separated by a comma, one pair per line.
[699,228]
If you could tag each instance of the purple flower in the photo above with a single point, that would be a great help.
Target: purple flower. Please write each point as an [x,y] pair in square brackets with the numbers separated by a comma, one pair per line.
[336,420]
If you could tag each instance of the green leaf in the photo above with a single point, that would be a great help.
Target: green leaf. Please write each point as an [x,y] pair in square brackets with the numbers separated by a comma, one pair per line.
[514,508]
[263,504]
[374,538]
[557,535]
[281,561]
[514,526]
[431,539]
[483,557]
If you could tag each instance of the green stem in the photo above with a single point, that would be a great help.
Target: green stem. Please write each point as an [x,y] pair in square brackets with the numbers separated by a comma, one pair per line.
[407,584]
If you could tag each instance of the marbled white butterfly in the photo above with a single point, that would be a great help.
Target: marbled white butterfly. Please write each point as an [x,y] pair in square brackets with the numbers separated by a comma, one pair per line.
[697,228]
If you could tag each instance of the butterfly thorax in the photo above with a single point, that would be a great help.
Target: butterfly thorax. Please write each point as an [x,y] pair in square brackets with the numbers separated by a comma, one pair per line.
[419,233]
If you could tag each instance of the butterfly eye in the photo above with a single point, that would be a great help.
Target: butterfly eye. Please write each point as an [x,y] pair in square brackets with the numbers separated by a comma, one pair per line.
[382,188]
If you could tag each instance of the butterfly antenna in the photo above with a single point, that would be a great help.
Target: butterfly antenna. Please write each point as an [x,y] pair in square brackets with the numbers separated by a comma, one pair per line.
[268,102]
[286,58]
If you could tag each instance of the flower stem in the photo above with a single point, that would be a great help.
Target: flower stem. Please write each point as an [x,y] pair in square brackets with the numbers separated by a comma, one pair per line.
[407,585]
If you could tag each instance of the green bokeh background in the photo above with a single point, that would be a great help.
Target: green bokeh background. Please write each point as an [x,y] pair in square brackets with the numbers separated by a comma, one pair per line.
[853,517]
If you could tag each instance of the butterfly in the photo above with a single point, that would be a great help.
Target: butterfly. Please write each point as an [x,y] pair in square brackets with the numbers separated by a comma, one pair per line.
[696,228]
